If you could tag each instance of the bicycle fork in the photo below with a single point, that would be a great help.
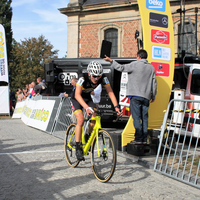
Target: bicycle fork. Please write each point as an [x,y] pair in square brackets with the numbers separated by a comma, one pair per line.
[104,152]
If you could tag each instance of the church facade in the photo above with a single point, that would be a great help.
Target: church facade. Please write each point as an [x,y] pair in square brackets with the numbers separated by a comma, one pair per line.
[91,21]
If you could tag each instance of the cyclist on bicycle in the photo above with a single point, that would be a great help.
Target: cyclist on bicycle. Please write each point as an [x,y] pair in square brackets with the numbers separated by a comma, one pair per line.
[87,82]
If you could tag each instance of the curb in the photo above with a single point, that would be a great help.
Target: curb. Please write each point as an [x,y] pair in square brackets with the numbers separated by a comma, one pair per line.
[146,161]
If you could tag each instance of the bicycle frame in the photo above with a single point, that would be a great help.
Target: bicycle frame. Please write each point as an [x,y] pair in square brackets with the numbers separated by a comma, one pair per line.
[100,145]
[97,126]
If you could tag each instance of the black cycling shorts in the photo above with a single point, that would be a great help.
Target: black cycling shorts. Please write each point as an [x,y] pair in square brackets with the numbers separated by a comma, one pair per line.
[76,106]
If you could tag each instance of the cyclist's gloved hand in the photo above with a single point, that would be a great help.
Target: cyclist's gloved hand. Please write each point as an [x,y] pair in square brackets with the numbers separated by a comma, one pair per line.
[89,111]
[119,112]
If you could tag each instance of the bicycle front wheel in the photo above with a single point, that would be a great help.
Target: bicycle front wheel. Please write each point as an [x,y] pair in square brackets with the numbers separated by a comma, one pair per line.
[70,146]
[103,156]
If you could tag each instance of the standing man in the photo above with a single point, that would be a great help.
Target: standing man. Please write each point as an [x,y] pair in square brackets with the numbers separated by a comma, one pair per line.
[142,89]
[73,83]
[41,87]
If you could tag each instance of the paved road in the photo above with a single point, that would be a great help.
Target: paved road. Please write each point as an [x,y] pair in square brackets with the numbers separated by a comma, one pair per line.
[33,166]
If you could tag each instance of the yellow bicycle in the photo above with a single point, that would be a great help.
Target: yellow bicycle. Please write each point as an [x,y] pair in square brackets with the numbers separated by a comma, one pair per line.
[99,143]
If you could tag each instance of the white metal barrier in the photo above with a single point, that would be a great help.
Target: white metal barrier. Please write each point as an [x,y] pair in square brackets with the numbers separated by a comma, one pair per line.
[178,153]
[63,118]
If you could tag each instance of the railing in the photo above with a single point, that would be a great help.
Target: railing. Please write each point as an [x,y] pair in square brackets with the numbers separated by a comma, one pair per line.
[178,154]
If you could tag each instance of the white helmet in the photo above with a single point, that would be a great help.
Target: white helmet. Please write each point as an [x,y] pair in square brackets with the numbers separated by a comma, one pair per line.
[95,68]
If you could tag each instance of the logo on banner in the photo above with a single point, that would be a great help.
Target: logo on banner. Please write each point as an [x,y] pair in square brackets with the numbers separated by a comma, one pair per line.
[161,53]
[159,20]
[158,36]
[161,69]
[156,5]
[40,114]
[66,78]
[3,56]
[2,60]
[1,45]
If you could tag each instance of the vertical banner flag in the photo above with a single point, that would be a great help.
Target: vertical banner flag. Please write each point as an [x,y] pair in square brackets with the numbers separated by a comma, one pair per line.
[158,40]
[3,56]
[158,36]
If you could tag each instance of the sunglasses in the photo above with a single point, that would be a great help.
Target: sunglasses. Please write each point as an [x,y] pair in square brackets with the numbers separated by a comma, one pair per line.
[96,76]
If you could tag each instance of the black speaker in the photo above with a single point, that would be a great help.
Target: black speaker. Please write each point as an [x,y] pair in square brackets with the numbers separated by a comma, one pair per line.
[49,72]
[105,48]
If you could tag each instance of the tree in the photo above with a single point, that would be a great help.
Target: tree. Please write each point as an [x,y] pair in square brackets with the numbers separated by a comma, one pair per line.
[29,57]
[5,20]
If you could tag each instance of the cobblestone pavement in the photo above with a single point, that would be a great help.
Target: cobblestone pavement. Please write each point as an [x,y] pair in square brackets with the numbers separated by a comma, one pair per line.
[33,166]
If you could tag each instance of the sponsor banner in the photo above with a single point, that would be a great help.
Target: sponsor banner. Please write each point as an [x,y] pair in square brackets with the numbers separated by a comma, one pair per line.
[158,20]
[161,53]
[40,114]
[158,5]
[161,69]
[124,81]
[159,44]
[125,105]
[27,109]
[123,100]
[18,109]
[3,56]
[160,37]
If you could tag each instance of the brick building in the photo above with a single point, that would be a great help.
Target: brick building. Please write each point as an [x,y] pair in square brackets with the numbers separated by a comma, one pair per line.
[91,21]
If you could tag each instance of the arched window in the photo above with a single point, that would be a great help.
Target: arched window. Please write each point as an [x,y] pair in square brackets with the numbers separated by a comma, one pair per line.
[111,35]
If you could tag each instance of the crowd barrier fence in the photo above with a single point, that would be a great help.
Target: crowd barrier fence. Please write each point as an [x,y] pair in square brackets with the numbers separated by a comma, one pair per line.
[57,110]
[178,154]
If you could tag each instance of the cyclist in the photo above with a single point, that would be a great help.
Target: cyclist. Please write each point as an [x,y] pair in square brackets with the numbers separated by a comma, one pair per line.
[87,82]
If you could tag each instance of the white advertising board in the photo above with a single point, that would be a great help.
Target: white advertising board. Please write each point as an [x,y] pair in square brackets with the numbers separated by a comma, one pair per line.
[39,116]
[29,105]
[18,110]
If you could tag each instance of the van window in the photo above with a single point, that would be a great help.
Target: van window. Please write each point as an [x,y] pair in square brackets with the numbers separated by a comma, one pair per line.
[195,84]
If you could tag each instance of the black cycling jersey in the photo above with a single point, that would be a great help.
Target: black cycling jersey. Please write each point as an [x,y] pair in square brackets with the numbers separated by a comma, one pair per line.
[88,86]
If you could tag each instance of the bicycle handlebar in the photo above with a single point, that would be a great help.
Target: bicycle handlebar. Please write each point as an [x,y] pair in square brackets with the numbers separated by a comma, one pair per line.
[106,112]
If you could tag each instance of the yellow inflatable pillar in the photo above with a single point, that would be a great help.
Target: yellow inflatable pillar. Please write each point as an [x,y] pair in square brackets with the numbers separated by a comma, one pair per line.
[158,41]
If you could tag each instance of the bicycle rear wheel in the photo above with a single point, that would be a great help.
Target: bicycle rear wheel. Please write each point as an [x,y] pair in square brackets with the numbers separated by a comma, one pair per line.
[70,146]
[103,156]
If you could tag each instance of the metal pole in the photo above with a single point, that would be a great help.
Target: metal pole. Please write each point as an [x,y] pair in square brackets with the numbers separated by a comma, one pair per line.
[184,33]
[196,11]
[181,29]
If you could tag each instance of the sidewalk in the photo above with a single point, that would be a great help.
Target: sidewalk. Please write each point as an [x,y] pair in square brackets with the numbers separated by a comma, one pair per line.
[146,161]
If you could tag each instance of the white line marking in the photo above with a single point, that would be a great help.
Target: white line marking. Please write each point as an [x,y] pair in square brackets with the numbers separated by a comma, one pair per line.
[26,152]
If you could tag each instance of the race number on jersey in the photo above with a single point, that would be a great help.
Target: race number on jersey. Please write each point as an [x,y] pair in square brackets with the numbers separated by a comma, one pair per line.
[80,81]
[106,80]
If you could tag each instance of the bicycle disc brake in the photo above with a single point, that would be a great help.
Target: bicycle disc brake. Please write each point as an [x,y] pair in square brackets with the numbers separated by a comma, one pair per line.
[104,154]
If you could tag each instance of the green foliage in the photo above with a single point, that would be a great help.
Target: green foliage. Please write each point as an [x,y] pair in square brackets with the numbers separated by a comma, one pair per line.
[29,57]
[5,20]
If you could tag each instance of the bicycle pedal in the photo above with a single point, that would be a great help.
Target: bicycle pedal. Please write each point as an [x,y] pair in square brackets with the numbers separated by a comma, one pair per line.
[82,159]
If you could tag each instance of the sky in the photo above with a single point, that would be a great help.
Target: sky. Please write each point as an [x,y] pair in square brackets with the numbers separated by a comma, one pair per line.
[33,18]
